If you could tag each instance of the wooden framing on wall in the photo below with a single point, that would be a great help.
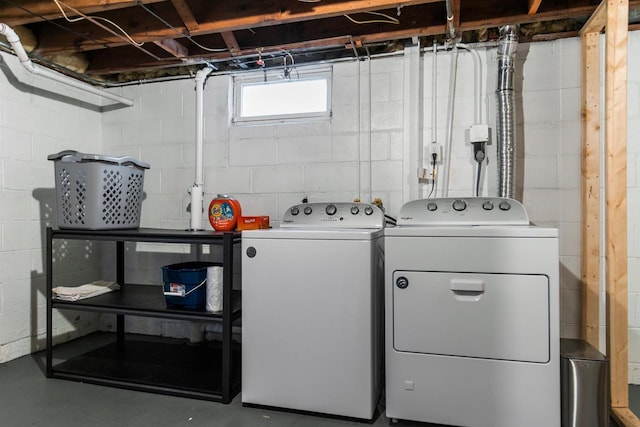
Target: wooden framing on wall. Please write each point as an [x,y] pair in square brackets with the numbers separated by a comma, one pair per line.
[611,15]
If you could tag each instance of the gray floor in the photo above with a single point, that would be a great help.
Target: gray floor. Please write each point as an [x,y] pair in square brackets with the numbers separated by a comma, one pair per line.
[27,398]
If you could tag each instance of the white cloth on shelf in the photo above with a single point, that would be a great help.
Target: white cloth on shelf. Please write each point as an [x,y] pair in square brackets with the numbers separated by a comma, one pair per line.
[75,293]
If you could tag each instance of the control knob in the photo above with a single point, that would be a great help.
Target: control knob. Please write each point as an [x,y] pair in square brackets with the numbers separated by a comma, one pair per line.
[355,210]
[308,210]
[368,210]
[504,206]
[459,205]
[331,209]
[432,206]
[295,211]
[488,205]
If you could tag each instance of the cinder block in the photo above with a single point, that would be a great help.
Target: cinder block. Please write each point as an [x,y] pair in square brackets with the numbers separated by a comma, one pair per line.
[278,179]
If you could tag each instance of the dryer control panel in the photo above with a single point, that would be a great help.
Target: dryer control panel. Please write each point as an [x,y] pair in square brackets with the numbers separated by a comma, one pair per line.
[463,211]
[333,215]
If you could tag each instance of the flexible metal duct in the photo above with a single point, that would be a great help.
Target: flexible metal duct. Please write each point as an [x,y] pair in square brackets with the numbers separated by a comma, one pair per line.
[505,122]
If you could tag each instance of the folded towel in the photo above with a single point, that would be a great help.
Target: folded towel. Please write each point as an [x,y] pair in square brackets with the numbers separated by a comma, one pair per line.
[75,293]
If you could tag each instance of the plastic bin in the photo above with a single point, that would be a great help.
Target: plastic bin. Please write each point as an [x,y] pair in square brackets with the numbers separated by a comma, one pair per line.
[185,284]
[98,192]
[584,375]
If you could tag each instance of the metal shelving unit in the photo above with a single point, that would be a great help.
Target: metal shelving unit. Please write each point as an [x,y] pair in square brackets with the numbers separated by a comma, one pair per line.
[208,371]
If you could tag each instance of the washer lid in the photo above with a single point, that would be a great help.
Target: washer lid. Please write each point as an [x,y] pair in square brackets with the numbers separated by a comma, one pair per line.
[463,211]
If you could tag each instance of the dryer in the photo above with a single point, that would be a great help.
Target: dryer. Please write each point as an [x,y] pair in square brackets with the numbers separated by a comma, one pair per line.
[312,301]
[471,312]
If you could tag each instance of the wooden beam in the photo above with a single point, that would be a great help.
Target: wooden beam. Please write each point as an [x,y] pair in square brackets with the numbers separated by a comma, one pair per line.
[617,19]
[590,271]
[186,15]
[597,21]
[534,5]
[231,42]
[624,417]
[173,47]
[31,11]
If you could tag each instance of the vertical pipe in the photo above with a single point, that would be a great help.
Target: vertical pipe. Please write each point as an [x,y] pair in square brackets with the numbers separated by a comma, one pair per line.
[452,30]
[197,193]
[449,141]
[505,122]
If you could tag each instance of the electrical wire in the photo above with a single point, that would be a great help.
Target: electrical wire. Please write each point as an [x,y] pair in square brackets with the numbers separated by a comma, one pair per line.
[478,179]
[187,36]
[434,175]
[97,18]
[388,19]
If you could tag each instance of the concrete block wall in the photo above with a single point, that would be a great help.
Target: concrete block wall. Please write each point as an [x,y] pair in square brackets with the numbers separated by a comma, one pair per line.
[38,117]
[361,150]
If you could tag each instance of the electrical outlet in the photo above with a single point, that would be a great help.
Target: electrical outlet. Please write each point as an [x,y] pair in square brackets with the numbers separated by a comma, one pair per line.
[435,148]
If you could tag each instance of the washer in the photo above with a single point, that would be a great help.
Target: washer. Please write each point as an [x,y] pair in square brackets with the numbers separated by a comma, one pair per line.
[312,301]
[471,312]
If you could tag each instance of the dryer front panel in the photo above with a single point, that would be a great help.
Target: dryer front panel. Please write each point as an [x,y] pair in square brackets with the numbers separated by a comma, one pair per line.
[489,316]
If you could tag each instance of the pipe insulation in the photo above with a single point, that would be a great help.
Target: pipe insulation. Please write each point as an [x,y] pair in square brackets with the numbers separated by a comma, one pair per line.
[197,190]
[26,62]
[505,120]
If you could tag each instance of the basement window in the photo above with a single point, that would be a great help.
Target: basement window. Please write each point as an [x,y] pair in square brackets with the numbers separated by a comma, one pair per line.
[282,97]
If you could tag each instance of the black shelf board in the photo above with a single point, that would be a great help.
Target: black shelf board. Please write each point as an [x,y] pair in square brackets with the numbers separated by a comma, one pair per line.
[162,365]
[159,235]
[145,300]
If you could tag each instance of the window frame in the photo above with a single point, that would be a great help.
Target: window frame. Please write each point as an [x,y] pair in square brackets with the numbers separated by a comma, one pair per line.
[269,77]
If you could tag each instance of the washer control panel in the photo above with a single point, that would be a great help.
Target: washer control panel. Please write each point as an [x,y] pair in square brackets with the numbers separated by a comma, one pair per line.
[333,215]
[463,211]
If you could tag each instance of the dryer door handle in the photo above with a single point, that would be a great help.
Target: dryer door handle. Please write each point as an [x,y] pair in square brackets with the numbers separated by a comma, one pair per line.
[467,286]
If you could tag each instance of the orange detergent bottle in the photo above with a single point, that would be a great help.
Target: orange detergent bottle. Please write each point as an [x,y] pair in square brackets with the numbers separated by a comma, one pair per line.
[224,212]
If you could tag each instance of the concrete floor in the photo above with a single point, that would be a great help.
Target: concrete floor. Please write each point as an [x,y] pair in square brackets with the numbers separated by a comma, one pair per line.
[28,398]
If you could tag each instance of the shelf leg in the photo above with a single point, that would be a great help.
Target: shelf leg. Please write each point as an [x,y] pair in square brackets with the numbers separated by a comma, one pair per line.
[227,287]
[120,265]
[49,295]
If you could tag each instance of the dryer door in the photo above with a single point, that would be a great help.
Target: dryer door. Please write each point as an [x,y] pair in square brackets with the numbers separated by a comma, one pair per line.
[490,316]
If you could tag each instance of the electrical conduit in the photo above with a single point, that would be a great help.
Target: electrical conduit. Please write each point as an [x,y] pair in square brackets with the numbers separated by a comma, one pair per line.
[26,62]
[197,190]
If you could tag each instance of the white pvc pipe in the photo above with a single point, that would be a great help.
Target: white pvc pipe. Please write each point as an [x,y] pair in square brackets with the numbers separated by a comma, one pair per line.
[26,62]
[452,97]
[197,191]
[477,66]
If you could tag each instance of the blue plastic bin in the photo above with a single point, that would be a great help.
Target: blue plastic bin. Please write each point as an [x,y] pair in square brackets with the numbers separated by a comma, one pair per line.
[185,284]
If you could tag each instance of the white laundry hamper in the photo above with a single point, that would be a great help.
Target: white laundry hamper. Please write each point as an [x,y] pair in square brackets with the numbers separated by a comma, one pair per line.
[98,192]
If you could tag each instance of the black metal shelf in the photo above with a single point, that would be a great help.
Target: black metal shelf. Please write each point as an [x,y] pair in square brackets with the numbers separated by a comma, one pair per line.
[148,301]
[204,371]
[158,365]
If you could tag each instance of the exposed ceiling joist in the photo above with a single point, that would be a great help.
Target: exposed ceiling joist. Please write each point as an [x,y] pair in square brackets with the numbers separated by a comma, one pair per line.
[179,34]
[186,14]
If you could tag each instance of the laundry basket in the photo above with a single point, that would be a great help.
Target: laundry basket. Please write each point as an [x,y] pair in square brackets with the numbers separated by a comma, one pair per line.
[98,192]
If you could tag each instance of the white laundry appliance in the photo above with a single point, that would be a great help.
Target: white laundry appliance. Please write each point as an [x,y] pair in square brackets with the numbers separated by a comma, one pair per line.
[312,304]
[471,312]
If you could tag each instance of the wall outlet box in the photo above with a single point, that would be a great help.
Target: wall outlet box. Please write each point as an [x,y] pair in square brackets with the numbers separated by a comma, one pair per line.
[479,133]
[435,148]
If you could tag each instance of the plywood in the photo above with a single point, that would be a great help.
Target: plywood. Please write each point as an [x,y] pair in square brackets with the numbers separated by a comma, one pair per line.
[590,272]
